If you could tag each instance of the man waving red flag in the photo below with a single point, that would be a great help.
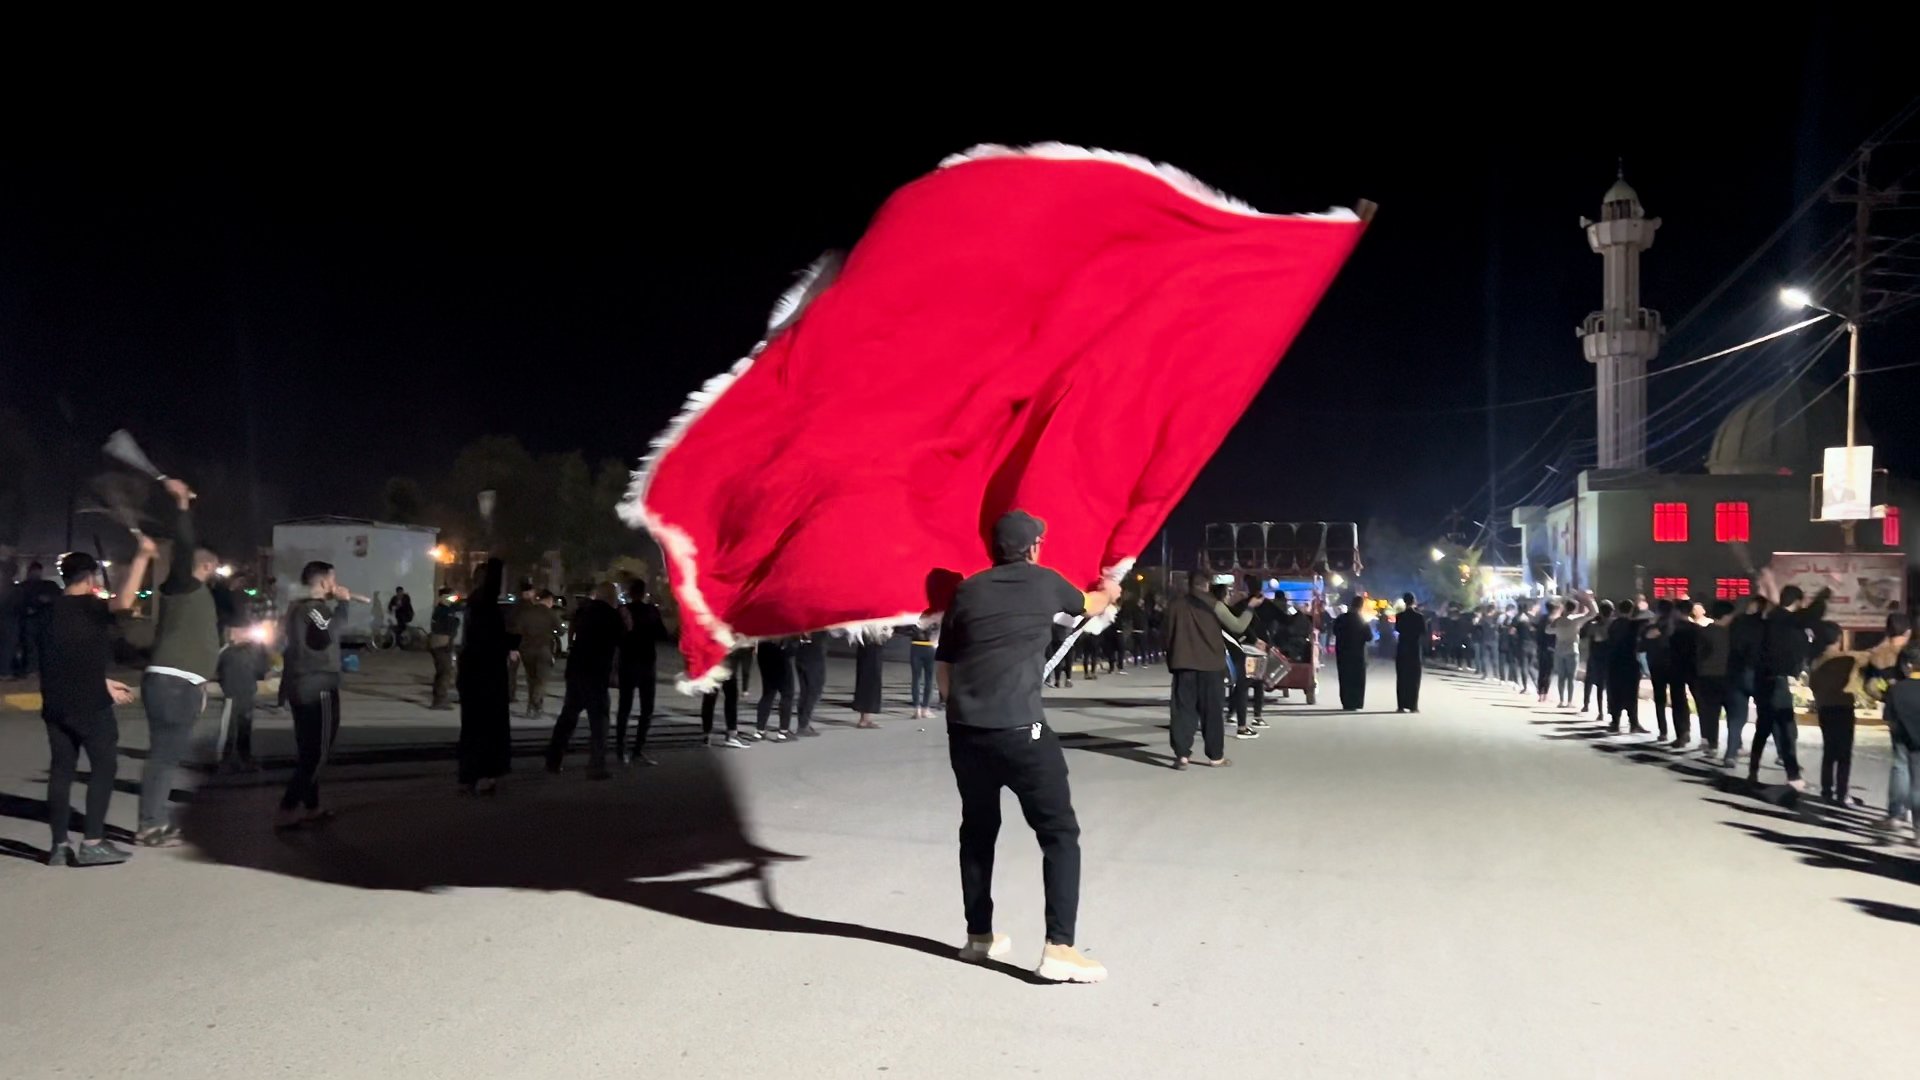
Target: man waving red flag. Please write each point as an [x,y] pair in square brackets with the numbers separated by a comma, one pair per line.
[1066,331]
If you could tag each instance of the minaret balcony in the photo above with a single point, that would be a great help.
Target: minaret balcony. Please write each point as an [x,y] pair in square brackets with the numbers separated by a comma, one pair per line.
[1621,333]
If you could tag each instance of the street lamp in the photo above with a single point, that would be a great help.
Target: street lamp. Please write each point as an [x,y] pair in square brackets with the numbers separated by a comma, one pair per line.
[1799,300]
[1438,555]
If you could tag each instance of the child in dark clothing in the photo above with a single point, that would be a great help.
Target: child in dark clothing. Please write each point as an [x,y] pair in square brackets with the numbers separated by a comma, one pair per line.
[242,664]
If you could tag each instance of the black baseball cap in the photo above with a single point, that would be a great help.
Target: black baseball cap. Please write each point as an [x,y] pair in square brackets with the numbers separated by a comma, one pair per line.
[1015,534]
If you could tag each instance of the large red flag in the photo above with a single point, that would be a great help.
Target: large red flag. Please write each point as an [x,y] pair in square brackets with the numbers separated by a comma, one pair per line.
[1065,331]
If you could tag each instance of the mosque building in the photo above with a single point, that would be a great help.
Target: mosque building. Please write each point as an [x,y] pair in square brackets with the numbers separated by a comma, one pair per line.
[1630,531]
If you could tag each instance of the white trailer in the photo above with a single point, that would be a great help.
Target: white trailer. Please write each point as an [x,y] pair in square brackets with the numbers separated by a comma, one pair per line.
[369,557]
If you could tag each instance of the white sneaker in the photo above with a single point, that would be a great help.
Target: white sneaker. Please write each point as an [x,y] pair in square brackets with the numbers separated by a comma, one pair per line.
[776,736]
[1063,963]
[983,947]
[732,742]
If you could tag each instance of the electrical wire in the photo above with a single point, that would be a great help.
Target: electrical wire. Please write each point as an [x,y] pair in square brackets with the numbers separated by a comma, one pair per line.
[1880,135]
[1732,384]
[1692,445]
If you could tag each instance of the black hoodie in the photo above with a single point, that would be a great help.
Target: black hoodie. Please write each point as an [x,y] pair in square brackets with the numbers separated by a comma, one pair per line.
[1788,639]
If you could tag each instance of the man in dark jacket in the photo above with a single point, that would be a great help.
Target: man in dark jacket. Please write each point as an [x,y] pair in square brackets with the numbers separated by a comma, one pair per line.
[1902,713]
[401,609]
[597,630]
[1657,642]
[310,678]
[538,626]
[1785,645]
[639,659]
[1407,658]
[1744,637]
[1711,687]
[1197,625]
[1623,668]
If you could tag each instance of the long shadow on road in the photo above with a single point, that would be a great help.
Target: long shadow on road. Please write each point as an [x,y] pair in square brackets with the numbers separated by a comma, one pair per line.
[1880,909]
[662,839]
[1858,846]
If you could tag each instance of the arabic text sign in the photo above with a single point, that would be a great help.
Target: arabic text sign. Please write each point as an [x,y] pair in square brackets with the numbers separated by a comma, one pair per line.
[1866,586]
[1846,484]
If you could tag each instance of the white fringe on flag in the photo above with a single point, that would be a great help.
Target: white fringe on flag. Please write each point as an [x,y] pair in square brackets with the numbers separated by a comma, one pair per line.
[679,547]
[1179,179]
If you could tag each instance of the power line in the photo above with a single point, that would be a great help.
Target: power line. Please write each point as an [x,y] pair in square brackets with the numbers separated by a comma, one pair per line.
[1802,324]
[1779,387]
[1732,384]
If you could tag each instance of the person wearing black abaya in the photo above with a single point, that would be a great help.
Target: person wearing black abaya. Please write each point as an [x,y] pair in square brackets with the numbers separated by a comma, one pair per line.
[1351,636]
[1408,658]
[486,736]
[867,672]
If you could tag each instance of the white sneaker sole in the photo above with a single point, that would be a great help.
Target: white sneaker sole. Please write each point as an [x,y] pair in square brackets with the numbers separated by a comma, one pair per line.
[1057,971]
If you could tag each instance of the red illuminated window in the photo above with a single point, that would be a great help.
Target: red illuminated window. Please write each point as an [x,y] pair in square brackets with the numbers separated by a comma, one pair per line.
[1670,523]
[1730,524]
[1890,527]
[1670,588]
[1731,588]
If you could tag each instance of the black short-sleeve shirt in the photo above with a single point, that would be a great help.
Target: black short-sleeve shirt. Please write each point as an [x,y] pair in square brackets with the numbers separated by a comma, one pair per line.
[995,635]
[73,676]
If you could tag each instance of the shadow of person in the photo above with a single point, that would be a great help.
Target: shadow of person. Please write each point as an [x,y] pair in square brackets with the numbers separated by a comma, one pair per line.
[665,839]
[27,808]
[1880,909]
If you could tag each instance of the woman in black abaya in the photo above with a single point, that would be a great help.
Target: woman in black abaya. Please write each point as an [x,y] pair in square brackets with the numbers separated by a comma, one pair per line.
[866,681]
[486,737]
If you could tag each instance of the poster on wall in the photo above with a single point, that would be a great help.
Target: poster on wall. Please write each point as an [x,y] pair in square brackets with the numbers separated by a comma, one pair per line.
[1866,586]
[1846,484]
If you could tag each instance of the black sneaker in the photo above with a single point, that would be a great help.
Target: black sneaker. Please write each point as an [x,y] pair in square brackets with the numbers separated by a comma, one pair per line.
[103,853]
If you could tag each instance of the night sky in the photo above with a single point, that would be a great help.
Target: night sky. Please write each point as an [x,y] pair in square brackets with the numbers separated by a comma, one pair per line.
[354,290]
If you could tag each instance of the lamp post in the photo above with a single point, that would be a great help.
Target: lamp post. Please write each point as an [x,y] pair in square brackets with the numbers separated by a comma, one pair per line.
[1799,300]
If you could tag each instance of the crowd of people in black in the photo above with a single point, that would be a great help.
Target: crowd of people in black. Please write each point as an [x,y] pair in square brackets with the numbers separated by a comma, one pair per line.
[1717,663]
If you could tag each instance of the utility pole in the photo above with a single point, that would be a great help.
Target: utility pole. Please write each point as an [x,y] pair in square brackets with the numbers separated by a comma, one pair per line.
[1864,198]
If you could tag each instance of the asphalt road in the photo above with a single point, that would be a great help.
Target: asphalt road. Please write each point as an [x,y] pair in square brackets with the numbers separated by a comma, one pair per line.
[1482,890]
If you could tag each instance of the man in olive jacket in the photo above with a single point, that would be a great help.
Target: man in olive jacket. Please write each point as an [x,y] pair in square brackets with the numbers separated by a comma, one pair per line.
[1197,625]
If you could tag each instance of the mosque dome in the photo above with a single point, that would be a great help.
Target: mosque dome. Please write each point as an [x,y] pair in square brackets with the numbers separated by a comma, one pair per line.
[1777,433]
[1621,191]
